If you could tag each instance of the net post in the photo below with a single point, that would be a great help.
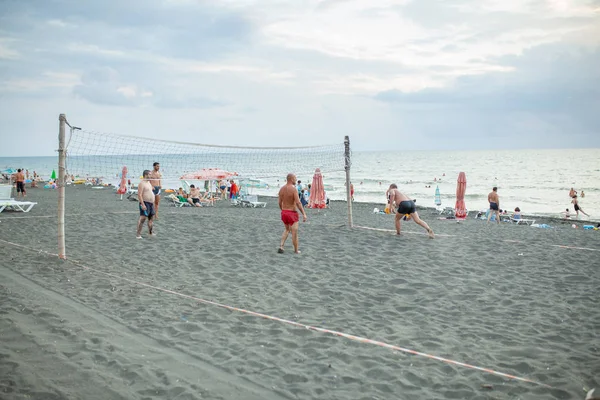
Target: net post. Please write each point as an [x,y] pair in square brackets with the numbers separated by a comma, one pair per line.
[347,168]
[61,186]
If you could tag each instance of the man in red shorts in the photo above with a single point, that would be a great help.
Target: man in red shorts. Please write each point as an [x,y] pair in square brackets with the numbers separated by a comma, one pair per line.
[288,202]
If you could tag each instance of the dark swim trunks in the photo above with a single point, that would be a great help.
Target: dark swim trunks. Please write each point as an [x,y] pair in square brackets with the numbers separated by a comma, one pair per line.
[577,207]
[21,187]
[407,207]
[289,217]
[149,211]
[195,200]
[493,206]
[156,190]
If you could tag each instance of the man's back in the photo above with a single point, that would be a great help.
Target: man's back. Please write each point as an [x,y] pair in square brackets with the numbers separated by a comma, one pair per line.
[493,197]
[397,196]
[287,197]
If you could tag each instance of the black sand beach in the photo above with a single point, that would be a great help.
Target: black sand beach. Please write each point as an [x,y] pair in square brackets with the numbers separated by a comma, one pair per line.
[501,297]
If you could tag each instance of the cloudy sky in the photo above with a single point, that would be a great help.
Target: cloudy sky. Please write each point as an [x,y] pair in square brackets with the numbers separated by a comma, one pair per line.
[403,74]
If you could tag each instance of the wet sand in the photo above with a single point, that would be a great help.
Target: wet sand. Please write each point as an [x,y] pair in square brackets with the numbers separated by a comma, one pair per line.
[501,297]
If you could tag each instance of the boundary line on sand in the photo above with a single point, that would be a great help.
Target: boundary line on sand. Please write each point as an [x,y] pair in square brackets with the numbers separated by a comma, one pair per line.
[292,323]
[393,231]
[555,245]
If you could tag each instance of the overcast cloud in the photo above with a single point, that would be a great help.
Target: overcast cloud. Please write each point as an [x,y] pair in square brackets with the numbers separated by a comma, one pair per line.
[404,74]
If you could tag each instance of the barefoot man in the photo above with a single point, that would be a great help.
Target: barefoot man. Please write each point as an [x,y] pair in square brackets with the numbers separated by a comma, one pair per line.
[20,179]
[406,206]
[155,181]
[494,201]
[146,197]
[288,202]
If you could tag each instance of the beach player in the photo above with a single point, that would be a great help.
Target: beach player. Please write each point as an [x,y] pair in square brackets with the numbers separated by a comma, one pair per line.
[406,206]
[20,179]
[146,198]
[289,201]
[156,182]
[494,201]
[577,208]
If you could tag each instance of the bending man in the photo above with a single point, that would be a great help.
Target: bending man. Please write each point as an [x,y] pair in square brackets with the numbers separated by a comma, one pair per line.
[288,202]
[406,206]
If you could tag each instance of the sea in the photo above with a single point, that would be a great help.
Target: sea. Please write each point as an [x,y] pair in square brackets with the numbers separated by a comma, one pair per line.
[536,181]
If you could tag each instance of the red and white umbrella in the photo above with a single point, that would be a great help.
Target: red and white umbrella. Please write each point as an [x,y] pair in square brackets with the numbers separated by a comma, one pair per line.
[461,188]
[209,174]
[123,186]
[317,191]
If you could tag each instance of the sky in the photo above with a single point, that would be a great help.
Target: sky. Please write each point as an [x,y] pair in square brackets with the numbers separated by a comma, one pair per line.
[392,75]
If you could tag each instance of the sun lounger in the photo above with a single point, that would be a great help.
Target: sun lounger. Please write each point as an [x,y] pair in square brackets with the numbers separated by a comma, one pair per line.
[252,201]
[525,221]
[11,204]
[176,202]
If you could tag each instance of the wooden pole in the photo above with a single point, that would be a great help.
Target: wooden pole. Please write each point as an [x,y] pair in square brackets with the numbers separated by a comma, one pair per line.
[60,184]
[347,167]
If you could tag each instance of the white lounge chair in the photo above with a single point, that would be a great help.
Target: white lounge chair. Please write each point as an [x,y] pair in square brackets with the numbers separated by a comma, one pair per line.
[252,201]
[12,204]
[176,202]
[522,221]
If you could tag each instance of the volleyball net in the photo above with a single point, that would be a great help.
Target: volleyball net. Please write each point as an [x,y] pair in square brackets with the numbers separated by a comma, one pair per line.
[98,156]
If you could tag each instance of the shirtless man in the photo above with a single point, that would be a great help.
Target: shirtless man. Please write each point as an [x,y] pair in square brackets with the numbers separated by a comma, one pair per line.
[577,208]
[406,206]
[20,179]
[155,181]
[494,201]
[288,202]
[194,197]
[146,197]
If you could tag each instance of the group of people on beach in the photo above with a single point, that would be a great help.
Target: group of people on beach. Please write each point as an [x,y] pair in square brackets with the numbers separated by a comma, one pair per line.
[20,178]
[149,193]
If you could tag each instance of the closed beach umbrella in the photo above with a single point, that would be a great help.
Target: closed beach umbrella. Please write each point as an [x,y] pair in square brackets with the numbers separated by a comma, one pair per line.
[461,188]
[123,187]
[438,197]
[53,176]
[208,174]
[317,191]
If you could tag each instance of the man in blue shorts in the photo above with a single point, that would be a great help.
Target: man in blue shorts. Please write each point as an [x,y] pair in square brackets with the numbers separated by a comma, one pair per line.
[494,201]
[146,198]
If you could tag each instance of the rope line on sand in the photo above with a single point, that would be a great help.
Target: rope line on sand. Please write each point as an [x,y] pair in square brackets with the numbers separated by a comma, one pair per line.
[393,231]
[556,245]
[293,323]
